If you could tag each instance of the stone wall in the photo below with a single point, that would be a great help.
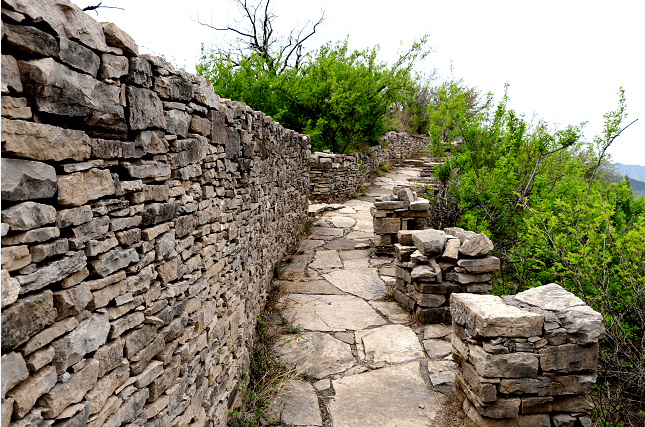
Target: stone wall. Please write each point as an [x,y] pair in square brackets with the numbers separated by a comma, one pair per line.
[337,176]
[141,220]
[527,359]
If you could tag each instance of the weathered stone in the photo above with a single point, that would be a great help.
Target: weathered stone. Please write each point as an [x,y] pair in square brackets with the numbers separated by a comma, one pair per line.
[72,301]
[204,92]
[15,257]
[149,374]
[32,236]
[40,358]
[79,57]
[436,332]
[154,143]
[10,289]
[177,122]
[428,300]
[485,388]
[74,416]
[29,40]
[569,358]
[109,356]
[52,272]
[49,334]
[27,215]
[297,405]
[165,246]
[366,399]
[326,260]
[15,108]
[480,265]
[106,385]
[420,205]
[387,226]
[114,36]
[107,263]
[142,358]
[72,391]
[41,252]
[146,109]
[129,410]
[113,66]
[390,343]
[479,246]
[67,19]
[27,180]
[513,365]
[96,247]
[33,419]
[78,188]
[26,317]
[86,338]
[364,282]
[426,273]
[489,316]
[7,411]
[429,242]
[14,371]
[75,216]
[27,393]
[200,125]
[10,75]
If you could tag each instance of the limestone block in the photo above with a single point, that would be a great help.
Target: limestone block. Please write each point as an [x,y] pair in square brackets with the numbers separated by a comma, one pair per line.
[130,409]
[52,272]
[114,36]
[460,233]
[390,204]
[421,205]
[94,229]
[204,93]
[10,75]
[29,40]
[177,122]
[499,408]
[428,300]
[40,358]
[113,66]
[151,169]
[117,259]
[200,125]
[146,109]
[88,336]
[489,316]
[49,334]
[109,356]
[106,385]
[75,216]
[7,411]
[27,393]
[533,420]
[79,188]
[67,19]
[79,57]
[15,108]
[569,358]
[387,225]
[72,391]
[480,265]
[429,242]
[15,257]
[465,278]
[479,246]
[513,365]
[41,252]
[154,143]
[14,371]
[72,301]
[140,72]
[27,180]
[27,215]
[451,250]
[10,289]
[25,318]
[403,252]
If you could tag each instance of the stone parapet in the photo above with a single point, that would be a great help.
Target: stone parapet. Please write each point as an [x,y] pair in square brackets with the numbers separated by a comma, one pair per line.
[527,359]
[433,264]
[142,217]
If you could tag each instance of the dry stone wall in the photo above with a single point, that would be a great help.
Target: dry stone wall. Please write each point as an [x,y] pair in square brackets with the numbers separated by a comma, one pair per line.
[527,359]
[337,176]
[141,220]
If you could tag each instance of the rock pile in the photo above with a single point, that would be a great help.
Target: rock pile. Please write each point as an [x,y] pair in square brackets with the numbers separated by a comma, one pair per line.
[525,360]
[432,264]
[141,220]
[395,212]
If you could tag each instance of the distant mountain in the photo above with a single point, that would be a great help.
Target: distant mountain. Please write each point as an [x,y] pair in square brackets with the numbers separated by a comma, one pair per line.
[632,171]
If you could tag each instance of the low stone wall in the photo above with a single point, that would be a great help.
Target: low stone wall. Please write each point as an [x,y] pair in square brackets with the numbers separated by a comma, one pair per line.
[337,176]
[525,360]
[141,221]
[433,264]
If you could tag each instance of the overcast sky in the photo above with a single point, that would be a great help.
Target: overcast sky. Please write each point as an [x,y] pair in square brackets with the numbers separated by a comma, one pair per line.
[564,60]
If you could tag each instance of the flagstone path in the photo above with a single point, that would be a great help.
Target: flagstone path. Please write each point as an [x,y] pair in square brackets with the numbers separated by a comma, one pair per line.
[368,367]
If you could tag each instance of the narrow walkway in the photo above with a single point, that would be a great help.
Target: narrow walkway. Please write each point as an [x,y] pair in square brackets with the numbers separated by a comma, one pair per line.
[369,363]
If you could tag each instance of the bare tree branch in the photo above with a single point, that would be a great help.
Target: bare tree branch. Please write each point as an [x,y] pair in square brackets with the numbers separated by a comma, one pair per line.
[100,5]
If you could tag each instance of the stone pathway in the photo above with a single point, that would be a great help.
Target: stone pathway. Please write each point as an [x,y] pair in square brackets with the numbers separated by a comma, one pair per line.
[368,367]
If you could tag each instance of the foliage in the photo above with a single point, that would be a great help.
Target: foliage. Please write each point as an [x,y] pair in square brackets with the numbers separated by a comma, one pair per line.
[338,96]
[547,200]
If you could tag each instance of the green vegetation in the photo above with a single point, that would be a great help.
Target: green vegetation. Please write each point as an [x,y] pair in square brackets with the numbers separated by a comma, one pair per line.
[548,201]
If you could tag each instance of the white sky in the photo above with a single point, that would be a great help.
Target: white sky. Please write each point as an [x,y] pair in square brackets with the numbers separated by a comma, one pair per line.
[564,60]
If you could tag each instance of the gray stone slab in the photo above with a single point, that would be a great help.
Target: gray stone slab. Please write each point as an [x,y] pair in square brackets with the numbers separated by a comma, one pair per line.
[392,311]
[355,254]
[352,264]
[297,405]
[363,282]
[390,344]
[342,221]
[326,259]
[436,331]
[395,396]
[316,354]
[341,244]
[360,235]
[308,245]
[326,233]
[437,349]
[336,313]
[314,287]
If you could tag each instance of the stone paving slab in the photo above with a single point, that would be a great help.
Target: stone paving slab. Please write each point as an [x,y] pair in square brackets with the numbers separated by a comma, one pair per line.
[363,282]
[314,287]
[326,233]
[326,259]
[392,311]
[341,244]
[342,222]
[316,353]
[395,396]
[310,245]
[390,343]
[297,405]
[327,313]
[353,264]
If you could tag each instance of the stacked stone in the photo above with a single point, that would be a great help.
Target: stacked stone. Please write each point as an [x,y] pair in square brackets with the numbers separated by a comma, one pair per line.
[395,212]
[141,220]
[526,360]
[337,176]
[432,264]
